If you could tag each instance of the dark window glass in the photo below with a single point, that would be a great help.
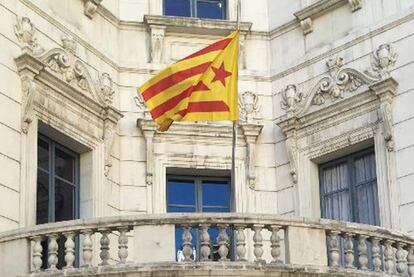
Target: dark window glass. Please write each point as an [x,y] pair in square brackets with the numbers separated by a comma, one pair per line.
[57,189]
[43,155]
[177,7]
[198,194]
[213,9]
[42,207]
[64,201]
[64,165]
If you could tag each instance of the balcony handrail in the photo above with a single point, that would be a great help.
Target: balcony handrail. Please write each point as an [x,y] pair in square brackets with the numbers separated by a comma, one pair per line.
[211,218]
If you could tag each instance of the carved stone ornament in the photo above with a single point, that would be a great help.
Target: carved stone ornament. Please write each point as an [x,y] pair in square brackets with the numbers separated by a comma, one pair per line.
[69,44]
[338,81]
[383,59]
[26,34]
[142,107]
[355,5]
[249,106]
[157,44]
[291,99]
[28,89]
[90,7]
[72,84]
[107,90]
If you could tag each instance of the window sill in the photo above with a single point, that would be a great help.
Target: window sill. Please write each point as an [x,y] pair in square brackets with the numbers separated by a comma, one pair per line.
[191,25]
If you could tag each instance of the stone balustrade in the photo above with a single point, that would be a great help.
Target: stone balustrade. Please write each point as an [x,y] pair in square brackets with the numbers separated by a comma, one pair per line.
[259,242]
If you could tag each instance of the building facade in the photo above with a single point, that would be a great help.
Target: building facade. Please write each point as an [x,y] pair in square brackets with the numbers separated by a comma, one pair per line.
[325,132]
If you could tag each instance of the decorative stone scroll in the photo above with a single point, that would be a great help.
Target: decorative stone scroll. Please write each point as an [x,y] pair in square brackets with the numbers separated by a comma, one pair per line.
[69,81]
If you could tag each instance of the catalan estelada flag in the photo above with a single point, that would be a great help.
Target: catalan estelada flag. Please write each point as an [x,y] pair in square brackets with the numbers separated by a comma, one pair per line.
[200,87]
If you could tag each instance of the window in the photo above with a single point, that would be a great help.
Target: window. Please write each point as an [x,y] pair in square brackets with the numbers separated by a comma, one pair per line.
[57,188]
[213,9]
[193,195]
[349,189]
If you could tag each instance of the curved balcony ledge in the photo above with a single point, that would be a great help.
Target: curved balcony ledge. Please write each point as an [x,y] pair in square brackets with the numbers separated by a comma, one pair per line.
[243,244]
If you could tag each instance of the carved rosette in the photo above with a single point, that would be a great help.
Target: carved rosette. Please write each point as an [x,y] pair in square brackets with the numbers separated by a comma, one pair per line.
[249,106]
[26,34]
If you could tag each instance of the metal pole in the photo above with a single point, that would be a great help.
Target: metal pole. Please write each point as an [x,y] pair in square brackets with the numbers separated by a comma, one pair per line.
[234,141]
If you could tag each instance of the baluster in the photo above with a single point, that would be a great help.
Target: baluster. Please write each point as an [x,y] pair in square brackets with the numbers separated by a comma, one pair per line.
[240,243]
[205,242]
[123,245]
[258,242]
[410,259]
[275,244]
[87,248]
[37,253]
[333,248]
[349,250]
[401,258]
[363,252]
[389,257]
[187,245]
[69,249]
[104,241]
[222,241]
[53,250]
[376,254]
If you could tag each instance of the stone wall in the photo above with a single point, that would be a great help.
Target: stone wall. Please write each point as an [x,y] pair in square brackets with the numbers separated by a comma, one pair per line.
[117,40]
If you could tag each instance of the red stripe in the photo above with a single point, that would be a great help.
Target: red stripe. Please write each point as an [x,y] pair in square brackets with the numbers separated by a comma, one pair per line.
[219,45]
[173,79]
[174,101]
[205,107]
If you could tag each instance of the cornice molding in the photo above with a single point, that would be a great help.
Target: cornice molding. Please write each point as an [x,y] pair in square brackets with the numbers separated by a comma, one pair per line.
[189,25]
[321,7]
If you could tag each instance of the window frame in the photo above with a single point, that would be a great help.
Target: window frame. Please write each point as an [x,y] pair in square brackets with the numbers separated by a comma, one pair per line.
[193,9]
[350,163]
[53,145]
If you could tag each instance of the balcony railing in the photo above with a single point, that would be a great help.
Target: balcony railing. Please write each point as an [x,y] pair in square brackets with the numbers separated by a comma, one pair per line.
[264,242]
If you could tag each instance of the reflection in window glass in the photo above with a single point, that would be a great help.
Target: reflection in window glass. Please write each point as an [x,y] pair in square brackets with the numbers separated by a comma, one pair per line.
[177,7]
[212,9]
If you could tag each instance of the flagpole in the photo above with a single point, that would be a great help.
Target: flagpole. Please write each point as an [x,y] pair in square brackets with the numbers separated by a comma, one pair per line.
[233,149]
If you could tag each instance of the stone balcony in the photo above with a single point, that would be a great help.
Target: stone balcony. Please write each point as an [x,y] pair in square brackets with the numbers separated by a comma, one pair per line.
[212,245]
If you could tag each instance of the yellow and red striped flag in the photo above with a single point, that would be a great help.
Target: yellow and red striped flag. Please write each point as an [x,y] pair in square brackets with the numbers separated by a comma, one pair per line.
[200,87]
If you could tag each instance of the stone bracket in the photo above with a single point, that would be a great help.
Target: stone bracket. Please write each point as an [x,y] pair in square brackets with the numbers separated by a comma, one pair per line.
[251,133]
[148,129]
